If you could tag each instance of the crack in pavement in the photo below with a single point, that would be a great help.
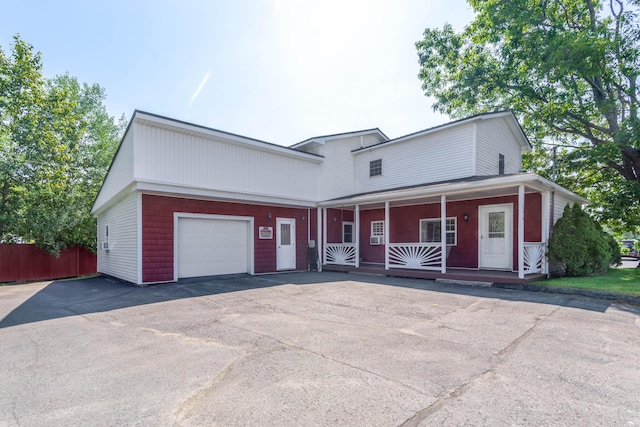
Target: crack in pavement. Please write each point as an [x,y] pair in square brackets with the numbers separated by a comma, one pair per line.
[477,379]
[175,335]
[14,413]
[186,409]
[340,362]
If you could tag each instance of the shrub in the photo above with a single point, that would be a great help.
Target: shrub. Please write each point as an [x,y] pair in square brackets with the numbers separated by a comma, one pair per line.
[614,248]
[580,245]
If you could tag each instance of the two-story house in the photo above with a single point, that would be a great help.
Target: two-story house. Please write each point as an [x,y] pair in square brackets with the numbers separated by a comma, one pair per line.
[182,200]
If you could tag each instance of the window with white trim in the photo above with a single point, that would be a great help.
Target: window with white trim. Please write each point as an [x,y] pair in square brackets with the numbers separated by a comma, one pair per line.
[377,228]
[500,164]
[430,231]
[347,232]
[375,167]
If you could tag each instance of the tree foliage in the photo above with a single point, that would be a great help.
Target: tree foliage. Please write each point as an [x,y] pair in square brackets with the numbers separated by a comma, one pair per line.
[56,142]
[580,244]
[569,70]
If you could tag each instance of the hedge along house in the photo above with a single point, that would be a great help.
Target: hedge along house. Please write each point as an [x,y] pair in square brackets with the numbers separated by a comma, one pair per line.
[182,200]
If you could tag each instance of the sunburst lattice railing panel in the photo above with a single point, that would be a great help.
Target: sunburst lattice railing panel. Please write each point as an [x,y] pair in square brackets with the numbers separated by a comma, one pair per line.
[533,257]
[415,256]
[340,253]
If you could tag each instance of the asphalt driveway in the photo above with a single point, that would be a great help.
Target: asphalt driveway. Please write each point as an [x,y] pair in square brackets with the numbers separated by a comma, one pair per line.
[313,349]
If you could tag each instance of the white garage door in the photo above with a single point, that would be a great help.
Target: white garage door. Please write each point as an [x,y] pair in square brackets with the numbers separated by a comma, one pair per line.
[207,247]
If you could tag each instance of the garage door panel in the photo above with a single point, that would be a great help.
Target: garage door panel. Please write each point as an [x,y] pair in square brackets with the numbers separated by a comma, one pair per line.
[208,247]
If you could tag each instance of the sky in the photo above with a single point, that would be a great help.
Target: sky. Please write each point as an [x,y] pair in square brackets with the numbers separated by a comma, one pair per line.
[277,70]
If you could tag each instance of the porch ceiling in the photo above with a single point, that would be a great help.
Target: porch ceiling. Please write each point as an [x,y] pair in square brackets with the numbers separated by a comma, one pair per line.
[454,191]
[482,194]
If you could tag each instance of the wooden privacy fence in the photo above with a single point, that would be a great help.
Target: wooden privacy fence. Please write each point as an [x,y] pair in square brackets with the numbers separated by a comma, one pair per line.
[22,263]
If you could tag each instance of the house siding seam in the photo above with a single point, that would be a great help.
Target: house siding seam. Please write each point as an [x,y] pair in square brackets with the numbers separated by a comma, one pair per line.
[121,260]
[158,232]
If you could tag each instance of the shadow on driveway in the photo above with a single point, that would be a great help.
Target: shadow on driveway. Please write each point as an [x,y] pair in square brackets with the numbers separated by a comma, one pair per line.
[101,294]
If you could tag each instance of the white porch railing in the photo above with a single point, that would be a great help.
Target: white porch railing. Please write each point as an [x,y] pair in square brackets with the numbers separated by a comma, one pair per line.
[534,257]
[340,253]
[421,256]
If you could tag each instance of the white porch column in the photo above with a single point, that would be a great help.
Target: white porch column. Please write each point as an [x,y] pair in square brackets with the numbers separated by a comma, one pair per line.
[356,233]
[319,241]
[387,229]
[443,233]
[521,231]
[546,198]
[324,233]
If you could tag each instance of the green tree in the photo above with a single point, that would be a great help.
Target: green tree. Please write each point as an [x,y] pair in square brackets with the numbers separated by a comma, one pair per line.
[568,69]
[581,245]
[56,142]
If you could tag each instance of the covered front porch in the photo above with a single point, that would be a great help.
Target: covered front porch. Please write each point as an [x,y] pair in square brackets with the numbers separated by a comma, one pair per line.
[492,229]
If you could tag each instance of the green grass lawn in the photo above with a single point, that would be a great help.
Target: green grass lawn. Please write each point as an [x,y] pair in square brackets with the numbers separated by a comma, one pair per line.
[619,280]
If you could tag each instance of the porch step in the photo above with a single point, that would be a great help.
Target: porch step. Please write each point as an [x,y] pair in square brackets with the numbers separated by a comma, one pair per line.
[465,282]
[485,278]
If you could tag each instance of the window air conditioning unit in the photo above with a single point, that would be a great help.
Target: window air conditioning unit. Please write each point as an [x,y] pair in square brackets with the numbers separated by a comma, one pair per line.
[105,246]
[375,240]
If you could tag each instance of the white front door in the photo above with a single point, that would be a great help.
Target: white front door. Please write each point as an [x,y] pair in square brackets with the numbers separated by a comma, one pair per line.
[286,241]
[495,233]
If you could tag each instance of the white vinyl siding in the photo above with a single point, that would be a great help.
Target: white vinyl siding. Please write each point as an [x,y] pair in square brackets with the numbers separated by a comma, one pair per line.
[437,156]
[207,162]
[121,173]
[121,260]
[336,172]
[494,137]
[559,204]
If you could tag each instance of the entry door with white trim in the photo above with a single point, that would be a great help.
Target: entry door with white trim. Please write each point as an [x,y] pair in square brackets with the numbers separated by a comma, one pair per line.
[286,241]
[495,232]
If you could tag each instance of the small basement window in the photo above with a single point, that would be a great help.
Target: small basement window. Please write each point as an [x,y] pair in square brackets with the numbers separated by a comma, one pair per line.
[500,164]
[430,231]
[375,167]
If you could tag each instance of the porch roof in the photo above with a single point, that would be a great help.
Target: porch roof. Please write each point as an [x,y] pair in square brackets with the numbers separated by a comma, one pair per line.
[473,187]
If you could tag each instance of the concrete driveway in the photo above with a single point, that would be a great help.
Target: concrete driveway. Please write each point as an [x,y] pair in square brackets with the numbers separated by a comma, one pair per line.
[306,349]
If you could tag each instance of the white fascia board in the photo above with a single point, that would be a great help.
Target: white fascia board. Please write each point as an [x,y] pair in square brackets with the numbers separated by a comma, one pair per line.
[185,127]
[184,191]
[515,127]
[545,184]
[439,128]
[529,179]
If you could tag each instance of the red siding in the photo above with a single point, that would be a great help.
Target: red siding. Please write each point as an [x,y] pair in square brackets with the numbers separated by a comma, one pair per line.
[334,228]
[23,263]
[368,252]
[157,232]
[405,227]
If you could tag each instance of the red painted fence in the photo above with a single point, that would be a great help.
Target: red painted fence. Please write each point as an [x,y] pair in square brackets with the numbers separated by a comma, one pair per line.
[23,263]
